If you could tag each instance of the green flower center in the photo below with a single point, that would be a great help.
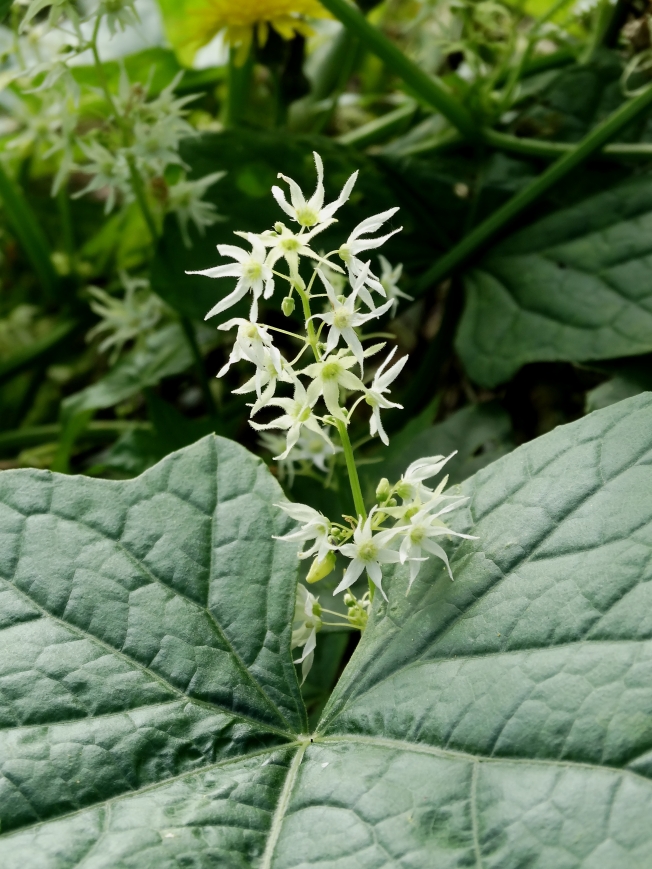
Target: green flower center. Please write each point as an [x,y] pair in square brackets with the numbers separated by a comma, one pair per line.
[368,551]
[417,534]
[307,217]
[252,270]
[290,244]
[342,318]
[331,371]
[304,414]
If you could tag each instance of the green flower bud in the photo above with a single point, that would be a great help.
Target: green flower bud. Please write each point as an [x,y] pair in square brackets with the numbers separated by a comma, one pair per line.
[383,490]
[320,569]
[287,305]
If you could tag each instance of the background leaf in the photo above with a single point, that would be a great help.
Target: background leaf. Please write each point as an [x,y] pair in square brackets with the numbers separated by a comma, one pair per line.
[244,200]
[570,287]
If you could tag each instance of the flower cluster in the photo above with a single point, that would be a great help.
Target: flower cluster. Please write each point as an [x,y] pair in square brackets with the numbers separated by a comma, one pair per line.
[405,523]
[134,154]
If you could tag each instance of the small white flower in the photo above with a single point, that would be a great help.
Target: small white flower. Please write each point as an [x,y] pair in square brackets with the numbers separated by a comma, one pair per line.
[186,200]
[298,413]
[328,376]
[344,318]
[419,534]
[267,375]
[368,552]
[118,14]
[313,448]
[356,244]
[305,625]
[290,246]
[410,487]
[389,278]
[315,527]
[311,212]
[375,395]
[251,270]
[251,343]
[124,319]
[110,173]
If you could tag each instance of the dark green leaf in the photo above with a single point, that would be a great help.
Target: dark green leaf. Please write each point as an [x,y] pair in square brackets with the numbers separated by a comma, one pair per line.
[503,720]
[570,287]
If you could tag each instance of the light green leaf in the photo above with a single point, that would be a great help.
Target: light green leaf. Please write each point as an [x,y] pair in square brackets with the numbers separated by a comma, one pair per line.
[573,286]
[503,720]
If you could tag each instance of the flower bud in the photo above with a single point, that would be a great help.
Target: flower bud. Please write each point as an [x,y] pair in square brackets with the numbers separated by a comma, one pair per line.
[287,305]
[383,490]
[349,599]
[320,569]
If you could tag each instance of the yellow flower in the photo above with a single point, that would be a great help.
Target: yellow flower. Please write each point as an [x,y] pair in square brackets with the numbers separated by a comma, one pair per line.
[191,24]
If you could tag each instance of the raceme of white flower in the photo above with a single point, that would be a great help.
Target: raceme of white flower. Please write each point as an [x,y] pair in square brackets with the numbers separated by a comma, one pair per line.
[324,371]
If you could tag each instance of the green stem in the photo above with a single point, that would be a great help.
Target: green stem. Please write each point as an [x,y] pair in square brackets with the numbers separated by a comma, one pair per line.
[307,315]
[431,90]
[380,129]
[30,235]
[189,331]
[356,491]
[239,78]
[596,139]
[553,150]
[141,198]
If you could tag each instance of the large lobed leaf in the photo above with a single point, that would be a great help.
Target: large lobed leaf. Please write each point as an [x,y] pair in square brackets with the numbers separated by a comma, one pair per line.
[573,286]
[503,720]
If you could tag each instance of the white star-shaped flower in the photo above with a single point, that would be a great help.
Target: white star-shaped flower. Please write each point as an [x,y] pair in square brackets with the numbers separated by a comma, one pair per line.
[311,212]
[298,413]
[267,375]
[375,395]
[291,246]
[419,535]
[389,277]
[410,487]
[251,270]
[356,243]
[305,624]
[328,375]
[344,318]
[252,341]
[315,527]
[368,552]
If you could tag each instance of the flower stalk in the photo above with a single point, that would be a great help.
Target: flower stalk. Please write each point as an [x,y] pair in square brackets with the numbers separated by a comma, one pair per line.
[404,525]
